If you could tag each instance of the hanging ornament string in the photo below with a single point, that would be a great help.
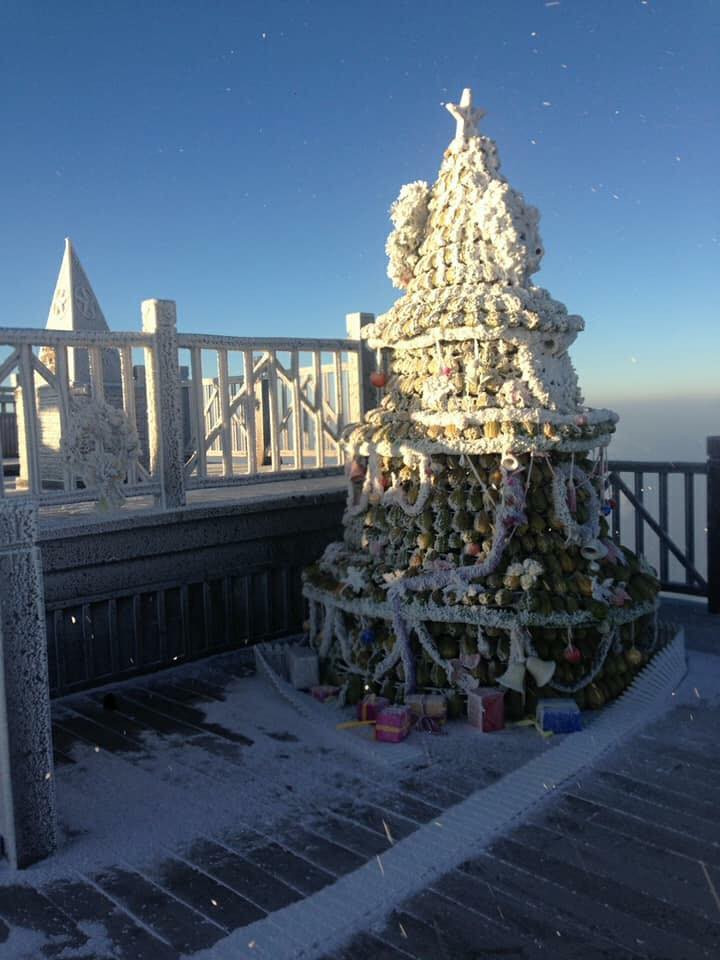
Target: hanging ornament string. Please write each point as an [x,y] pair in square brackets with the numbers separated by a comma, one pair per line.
[596,666]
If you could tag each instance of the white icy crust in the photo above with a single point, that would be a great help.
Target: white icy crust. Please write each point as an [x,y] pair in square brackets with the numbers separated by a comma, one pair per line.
[409,215]
[468,311]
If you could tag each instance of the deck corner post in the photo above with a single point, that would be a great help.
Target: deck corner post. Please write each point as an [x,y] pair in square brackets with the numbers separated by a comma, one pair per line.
[713,524]
[362,389]
[28,817]
[163,399]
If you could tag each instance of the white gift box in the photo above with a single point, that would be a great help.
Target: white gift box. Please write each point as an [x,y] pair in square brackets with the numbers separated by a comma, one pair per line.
[302,667]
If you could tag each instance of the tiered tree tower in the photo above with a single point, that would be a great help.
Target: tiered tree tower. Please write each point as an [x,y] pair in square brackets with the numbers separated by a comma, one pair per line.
[476,546]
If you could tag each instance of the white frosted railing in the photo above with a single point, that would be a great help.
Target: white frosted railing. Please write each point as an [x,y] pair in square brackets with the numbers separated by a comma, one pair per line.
[208,410]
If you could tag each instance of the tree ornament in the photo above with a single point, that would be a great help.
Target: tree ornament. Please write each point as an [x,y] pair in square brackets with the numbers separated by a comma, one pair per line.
[378,379]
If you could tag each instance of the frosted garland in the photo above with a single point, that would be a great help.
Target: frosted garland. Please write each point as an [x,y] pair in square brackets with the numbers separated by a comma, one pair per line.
[485,445]
[460,613]
[518,415]
[396,495]
[326,638]
[313,625]
[598,662]
[580,533]
[388,662]
[428,645]
[401,632]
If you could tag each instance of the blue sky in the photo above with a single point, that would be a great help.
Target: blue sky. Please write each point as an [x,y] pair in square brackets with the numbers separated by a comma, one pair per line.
[240,158]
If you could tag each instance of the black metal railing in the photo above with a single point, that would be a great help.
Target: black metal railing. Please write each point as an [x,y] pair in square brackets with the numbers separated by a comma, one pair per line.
[677,531]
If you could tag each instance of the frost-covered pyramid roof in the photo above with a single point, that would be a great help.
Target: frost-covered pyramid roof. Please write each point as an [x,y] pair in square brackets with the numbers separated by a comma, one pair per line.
[74,304]
[75,307]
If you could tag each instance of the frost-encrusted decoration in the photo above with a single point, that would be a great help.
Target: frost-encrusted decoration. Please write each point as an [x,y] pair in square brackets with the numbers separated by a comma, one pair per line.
[101,445]
[409,214]
[477,489]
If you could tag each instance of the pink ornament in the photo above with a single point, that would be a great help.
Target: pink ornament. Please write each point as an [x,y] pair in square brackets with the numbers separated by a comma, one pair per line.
[473,549]
[378,379]
[572,654]
[447,371]
[581,421]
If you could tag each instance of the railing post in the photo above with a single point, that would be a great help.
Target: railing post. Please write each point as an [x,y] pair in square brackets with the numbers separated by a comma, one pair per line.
[360,385]
[713,524]
[163,401]
[27,788]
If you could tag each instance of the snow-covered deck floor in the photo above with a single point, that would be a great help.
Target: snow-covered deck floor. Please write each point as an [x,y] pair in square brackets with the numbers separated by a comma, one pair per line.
[196,802]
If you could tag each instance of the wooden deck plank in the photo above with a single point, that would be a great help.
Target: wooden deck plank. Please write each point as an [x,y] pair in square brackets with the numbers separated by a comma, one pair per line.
[180,926]
[213,900]
[84,903]
[250,881]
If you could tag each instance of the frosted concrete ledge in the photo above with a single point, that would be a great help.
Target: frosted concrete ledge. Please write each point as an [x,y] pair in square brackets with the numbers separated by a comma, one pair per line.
[360,900]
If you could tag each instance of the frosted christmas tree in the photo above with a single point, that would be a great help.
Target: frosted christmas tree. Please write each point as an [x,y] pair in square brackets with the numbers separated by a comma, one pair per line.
[476,547]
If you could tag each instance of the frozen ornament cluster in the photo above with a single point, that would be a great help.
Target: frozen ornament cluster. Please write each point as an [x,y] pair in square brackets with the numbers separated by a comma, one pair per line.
[476,547]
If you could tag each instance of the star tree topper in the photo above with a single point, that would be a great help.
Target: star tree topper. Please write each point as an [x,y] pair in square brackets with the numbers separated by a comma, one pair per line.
[466,115]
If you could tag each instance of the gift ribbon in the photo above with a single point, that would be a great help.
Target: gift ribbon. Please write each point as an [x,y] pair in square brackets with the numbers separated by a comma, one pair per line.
[384,728]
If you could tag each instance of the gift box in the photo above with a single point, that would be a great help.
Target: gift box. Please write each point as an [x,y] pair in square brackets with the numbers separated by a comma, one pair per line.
[486,708]
[302,667]
[432,705]
[558,715]
[369,707]
[323,692]
[392,724]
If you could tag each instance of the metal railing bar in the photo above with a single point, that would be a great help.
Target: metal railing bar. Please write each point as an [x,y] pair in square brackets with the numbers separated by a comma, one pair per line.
[657,466]
[652,523]
[638,479]
[663,508]
[256,344]
[689,521]
[268,476]
[42,337]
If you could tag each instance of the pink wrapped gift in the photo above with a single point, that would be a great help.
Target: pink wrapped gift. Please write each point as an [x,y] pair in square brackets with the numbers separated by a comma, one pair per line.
[324,692]
[392,724]
[486,708]
[370,706]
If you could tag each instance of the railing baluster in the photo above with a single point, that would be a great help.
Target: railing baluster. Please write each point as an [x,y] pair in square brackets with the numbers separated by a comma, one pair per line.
[97,379]
[663,505]
[319,432]
[63,389]
[273,400]
[639,522]
[615,486]
[297,411]
[689,522]
[197,406]
[223,388]
[339,402]
[30,422]
[2,458]
[250,412]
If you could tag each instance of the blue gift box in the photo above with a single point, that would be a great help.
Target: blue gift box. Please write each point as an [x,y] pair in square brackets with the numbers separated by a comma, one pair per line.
[558,715]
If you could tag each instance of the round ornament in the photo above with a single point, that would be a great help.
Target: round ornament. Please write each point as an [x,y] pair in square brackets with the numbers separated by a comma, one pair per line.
[378,379]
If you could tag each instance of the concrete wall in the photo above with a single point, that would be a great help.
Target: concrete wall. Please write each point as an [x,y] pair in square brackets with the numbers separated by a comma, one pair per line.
[128,596]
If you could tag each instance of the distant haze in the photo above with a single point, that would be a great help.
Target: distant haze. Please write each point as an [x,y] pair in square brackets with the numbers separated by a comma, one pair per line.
[661,427]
